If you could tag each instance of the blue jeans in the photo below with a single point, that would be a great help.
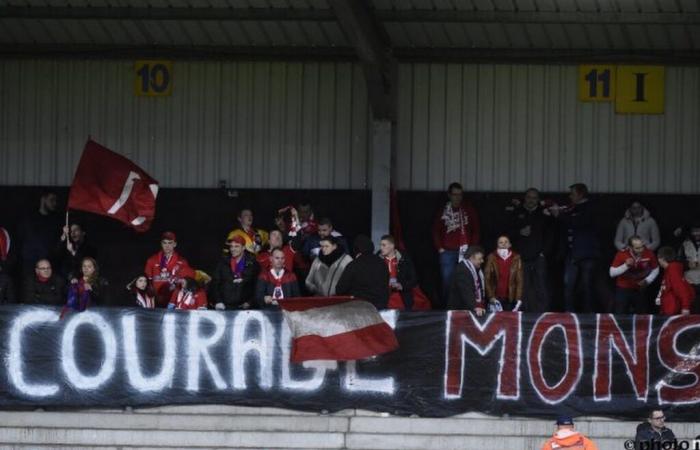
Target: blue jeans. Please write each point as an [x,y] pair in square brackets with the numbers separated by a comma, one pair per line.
[448,261]
[582,271]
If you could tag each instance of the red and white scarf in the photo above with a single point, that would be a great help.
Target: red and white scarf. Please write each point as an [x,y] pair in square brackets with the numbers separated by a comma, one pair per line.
[277,292]
[478,281]
[144,300]
[454,219]
[184,297]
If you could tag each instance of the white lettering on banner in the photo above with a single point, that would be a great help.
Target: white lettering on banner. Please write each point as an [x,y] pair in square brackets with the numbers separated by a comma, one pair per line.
[263,346]
[354,383]
[70,368]
[131,356]
[15,361]
[199,347]
[319,367]
[567,384]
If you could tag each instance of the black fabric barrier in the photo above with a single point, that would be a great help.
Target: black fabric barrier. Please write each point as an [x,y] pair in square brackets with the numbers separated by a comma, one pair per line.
[448,363]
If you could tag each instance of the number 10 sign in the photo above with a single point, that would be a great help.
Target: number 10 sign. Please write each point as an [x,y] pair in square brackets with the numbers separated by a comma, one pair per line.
[153,78]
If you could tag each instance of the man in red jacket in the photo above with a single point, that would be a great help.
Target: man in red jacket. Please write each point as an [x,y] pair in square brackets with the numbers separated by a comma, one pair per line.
[166,269]
[676,295]
[455,228]
[634,267]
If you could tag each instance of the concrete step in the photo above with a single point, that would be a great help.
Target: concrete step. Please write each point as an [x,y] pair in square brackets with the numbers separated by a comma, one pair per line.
[177,422]
[219,427]
[177,439]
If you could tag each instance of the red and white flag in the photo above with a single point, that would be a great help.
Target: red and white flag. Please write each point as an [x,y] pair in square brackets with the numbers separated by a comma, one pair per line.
[108,184]
[336,328]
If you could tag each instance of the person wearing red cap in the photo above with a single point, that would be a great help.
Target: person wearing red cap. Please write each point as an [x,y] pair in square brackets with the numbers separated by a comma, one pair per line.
[166,269]
[235,276]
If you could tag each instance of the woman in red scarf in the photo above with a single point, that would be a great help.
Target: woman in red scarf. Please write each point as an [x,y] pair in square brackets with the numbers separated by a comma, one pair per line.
[142,292]
[503,277]
[89,289]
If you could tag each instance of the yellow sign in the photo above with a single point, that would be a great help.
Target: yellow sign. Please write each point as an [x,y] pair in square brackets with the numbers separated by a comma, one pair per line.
[640,89]
[153,78]
[596,83]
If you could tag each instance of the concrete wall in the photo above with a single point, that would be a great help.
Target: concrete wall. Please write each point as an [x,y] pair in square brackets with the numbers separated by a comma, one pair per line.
[202,427]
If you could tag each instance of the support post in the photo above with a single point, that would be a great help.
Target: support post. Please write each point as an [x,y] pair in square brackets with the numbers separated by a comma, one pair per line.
[381,177]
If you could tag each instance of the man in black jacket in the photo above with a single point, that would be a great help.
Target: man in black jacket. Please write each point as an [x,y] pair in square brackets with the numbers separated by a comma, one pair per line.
[580,240]
[532,232]
[367,277]
[71,250]
[653,432]
[467,283]
[235,277]
[44,287]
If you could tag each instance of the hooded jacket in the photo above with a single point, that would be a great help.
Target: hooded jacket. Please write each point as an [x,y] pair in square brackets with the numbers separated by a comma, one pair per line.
[675,293]
[323,278]
[690,252]
[567,439]
[645,227]
[647,434]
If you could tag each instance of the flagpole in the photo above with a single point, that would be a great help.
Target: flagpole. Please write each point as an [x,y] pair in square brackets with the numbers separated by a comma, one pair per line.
[67,235]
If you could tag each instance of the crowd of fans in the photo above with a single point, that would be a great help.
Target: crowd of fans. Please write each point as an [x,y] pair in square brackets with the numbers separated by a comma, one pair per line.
[303,256]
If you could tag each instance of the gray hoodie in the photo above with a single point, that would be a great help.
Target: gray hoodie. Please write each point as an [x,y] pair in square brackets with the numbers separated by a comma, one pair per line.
[645,227]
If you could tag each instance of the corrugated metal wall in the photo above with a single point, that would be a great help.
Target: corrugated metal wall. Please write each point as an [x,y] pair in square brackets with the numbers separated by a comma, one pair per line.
[305,125]
[508,127]
[254,124]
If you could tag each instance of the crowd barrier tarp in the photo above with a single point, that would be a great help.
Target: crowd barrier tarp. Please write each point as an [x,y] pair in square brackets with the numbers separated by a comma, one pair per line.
[447,363]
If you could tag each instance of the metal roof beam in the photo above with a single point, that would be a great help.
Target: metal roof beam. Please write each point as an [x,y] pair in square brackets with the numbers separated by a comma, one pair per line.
[178,13]
[401,54]
[374,51]
[116,51]
[538,17]
[549,56]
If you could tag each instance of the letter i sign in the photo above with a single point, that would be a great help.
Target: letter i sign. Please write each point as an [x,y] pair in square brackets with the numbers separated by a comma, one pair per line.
[640,89]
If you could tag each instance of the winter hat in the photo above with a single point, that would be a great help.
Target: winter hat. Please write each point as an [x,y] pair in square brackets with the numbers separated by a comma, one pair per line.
[238,239]
[168,236]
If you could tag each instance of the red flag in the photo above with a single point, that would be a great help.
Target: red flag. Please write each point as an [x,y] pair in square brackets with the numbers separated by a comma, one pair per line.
[336,328]
[108,184]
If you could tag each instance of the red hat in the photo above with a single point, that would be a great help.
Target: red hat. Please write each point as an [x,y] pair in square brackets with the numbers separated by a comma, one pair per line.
[169,236]
[238,239]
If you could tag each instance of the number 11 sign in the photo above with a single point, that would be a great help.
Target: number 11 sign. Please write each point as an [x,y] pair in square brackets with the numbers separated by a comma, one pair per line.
[596,83]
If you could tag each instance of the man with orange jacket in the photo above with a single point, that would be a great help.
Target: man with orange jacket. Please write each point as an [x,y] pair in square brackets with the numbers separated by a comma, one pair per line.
[566,438]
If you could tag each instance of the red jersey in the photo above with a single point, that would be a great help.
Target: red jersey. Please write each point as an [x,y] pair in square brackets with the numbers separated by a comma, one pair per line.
[165,273]
[643,266]
[455,227]
[676,293]
[189,300]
